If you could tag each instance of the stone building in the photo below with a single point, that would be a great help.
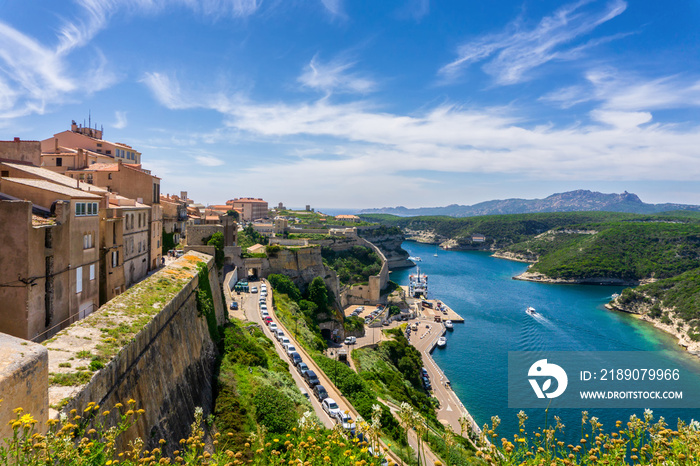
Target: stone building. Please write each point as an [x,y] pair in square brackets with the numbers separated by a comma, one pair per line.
[250,208]
[48,263]
[174,216]
[90,139]
[28,152]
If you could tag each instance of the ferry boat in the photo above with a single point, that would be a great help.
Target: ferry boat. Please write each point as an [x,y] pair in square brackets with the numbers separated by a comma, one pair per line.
[531,311]
[415,259]
[418,285]
[448,325]
[442,341]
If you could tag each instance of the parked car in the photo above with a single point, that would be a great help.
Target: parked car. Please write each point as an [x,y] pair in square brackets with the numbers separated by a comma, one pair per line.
[330,406]
[350,340]
[302,368]
[424,372]
[345,420]
[273,327]
[234,306]
[267,320]
[320,392]
[285,342]
[264,314]
[254,289]
[280,334]
[295,357]
[291,349]
[263,307]
[311,378]
[304,393]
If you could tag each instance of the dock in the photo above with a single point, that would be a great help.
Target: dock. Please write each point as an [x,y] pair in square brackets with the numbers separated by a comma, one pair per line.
[430,308]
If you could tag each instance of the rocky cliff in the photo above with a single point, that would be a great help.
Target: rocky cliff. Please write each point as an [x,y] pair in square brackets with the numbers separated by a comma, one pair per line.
[390,246]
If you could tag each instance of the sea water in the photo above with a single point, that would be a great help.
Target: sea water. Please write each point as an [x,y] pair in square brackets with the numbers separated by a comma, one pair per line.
[480,288]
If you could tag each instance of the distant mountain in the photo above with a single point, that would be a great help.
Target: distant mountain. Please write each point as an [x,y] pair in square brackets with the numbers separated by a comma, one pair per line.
[572,201]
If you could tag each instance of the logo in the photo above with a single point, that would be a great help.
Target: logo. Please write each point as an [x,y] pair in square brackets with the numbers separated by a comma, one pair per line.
[543,369]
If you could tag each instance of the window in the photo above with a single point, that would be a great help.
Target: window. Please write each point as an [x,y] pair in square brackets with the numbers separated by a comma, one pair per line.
[139,246]
[109,176]
[108,152]
[5,173]
[87,241]
[79,280]
[99,144]
[59,161]
[86,208]
[92,271]
[139,220]
[115,258]
[89,178]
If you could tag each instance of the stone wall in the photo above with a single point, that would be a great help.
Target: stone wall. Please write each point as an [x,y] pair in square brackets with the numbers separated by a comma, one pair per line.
[24,378]
[196,234]
[168,367]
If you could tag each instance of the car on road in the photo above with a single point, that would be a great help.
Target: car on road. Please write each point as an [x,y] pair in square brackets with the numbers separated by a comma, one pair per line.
[424,372]
[254,289]
[291,349]
[331,407]
[311,378]
[320,392]
[302,368]
[295,357]
[279,335]
[263,307]
[285,342]
[350,340]
[234,306]
[345,420]
[273,327]
[267,320]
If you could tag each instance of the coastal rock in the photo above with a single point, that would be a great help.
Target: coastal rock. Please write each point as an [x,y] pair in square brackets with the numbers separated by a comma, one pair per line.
[676,326]
[514,257]
[542,278]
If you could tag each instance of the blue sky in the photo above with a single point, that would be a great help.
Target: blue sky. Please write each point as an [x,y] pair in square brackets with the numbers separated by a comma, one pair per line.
[350,103]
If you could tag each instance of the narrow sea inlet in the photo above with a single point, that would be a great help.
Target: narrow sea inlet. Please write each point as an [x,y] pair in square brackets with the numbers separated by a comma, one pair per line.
[570,318]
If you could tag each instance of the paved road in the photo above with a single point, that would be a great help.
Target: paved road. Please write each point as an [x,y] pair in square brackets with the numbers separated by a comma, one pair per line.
[250,307]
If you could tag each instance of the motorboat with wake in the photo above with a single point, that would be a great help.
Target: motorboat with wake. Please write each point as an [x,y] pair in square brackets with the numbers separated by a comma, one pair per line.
[415,258]
[531,311]
[442,341]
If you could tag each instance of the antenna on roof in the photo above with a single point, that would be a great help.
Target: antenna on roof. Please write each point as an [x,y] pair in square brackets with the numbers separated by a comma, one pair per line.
[89,118]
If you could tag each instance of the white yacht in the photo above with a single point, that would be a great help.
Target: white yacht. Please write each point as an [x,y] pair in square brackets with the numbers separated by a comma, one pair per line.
[442,341]
[531,311]
[448,325]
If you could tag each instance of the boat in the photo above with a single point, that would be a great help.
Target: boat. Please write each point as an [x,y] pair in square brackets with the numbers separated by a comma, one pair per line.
[415,259]
[442,341]
[448,325]
[418,285]
[615,295]
[436,251]
[531,311]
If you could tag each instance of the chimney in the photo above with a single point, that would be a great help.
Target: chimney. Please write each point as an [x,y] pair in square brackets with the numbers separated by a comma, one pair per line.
[16,139]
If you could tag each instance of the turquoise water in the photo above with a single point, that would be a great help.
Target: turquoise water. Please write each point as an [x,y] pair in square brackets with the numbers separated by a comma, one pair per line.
[480,288]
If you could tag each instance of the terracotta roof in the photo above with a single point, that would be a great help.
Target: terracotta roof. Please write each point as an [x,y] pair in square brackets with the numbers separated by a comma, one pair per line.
[249,200]
[212,218]
[102,167]
[53,187]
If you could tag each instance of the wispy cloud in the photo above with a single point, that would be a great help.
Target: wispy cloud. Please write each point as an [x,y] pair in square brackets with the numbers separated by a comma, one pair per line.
[121,121]
[334,76]
[617,145]
[508,56]
[335,7]
[209,161]
[414,9]
[35,74]
[615,90]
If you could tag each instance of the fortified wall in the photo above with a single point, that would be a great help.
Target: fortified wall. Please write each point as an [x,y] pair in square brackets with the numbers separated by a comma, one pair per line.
[149,344]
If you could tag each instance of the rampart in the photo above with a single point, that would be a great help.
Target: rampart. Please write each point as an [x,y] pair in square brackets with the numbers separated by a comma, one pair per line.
[166,364]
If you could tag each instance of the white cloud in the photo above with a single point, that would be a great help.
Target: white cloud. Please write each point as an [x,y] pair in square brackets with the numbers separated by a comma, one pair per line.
[335,7]
[414,9]
[627,92]
[209,161]
[622,120]
[34,75]
[334,77]
[618,145]
[121,120]
[511,54]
